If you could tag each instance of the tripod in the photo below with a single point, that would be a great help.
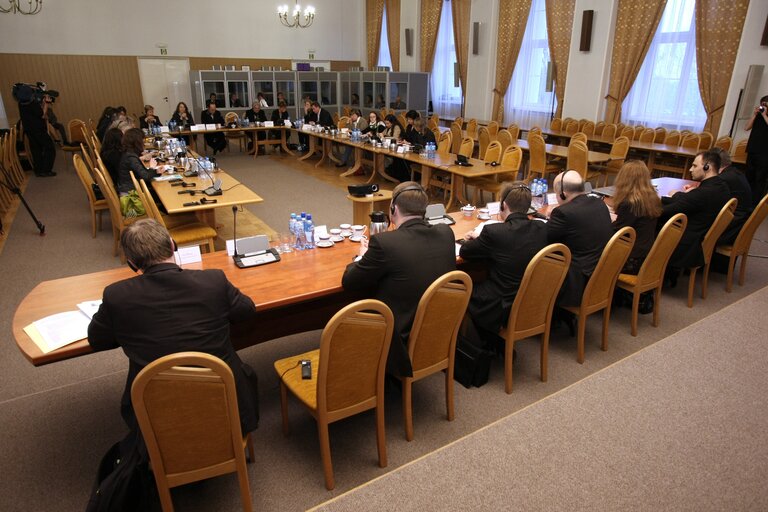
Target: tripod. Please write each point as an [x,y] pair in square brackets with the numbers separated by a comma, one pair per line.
[8,183]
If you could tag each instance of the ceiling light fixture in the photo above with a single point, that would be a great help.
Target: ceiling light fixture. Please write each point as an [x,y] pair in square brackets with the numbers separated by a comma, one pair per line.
[295,18]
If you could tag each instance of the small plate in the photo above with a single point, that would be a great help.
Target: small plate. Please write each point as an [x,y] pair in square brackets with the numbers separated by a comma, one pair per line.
[324,243]
[355,239]
[337,239]
[484,217]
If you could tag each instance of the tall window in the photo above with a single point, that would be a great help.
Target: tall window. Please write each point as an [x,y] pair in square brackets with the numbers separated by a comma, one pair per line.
[666,92]
[385,59]
[446,99]
[527,102]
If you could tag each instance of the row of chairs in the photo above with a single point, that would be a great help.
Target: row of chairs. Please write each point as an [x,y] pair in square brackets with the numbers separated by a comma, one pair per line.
[12,171]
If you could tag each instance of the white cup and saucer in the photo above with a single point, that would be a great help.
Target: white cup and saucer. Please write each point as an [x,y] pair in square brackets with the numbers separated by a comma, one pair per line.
[346,230]
[336,235]
[324,241]
[482,214]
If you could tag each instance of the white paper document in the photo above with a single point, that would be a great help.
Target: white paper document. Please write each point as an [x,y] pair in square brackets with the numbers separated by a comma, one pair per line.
[89,307]
[189,254]
[58,330]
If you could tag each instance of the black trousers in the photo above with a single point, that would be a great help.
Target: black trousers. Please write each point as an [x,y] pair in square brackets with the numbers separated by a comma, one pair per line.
[757,175]
[43,151]
[217,141]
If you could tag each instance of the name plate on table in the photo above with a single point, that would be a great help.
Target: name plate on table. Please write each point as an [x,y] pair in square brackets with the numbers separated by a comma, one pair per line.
[269,124]
[164,129]
[197,127]
[210,126]
[287,122]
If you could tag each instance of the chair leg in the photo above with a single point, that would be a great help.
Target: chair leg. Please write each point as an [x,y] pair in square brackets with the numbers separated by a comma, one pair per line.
[729,278]
[704,281]
[325,454]
[249,446]
[210,246]
[692,286]
[93,223]
[656,306]
[508,351]
[545,353]
[284,406]
[408,407]
[165,496]
[743,269]
[582,320]
[245,490]
[381,437]
[449,393]
[606,320]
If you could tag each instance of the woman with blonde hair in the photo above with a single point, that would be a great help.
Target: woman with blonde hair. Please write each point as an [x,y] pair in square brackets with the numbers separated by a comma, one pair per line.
[636,204]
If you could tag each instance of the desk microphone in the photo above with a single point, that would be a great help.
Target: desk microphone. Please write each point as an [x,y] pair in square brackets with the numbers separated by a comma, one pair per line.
[262,254]
[236,255]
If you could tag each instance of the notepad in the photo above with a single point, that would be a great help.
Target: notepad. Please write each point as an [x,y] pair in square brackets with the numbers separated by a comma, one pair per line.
[58,330]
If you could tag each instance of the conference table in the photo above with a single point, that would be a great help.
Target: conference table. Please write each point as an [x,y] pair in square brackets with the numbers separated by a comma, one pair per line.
[251,130]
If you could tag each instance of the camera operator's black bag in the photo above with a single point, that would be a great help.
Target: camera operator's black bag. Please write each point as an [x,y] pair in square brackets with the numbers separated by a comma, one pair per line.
[472,363]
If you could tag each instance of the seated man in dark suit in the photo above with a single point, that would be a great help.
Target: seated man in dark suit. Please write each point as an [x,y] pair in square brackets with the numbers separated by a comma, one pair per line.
[166,310]
[216,140]
[397,266]
[256,115]
[583,224]
[506,248]
[279,117]
[740,189]
[324,117]
[701,204]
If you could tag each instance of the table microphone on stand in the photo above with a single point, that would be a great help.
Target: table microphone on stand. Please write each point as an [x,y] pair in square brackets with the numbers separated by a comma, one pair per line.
[261,253]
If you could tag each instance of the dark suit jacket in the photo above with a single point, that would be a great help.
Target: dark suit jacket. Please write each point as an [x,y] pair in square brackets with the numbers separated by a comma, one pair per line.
[144,124]
[325,119]
[256,117]
[397,268]
[506,248]
[167,310]
[701,205]
[584,226]
[207,118]
[740,189]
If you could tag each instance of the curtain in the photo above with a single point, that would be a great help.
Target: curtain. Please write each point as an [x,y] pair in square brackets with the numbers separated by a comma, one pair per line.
[393,32]
[373,12]
[636,25]
[718,32]
[460,12]
[445,94]
[559,28]
[385,59]
[430,21]
[513,15]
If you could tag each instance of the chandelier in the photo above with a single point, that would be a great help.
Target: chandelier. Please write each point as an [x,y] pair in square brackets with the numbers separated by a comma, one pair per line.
[295,18]
[14,7]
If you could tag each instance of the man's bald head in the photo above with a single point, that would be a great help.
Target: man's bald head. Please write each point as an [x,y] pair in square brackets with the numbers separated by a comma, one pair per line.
[569,183]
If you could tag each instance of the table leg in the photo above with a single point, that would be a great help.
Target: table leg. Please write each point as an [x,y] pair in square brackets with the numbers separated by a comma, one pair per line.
[381,170]
[358,163]
[312,147]
[324,152]
[207,217]
[284,142]
[255,141]
[426,175]
[457,184]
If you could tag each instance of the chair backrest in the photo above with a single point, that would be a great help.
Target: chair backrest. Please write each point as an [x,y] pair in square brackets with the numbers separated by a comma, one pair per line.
[582,122]
[620,127]
[86,152]
[580,136]
[456,137]
[512,157]
[588,128]
[105,173]
[149,202]
[744,239]
[705,141]
[661,135]
[432,341]
[484,138]
[690,141]
[459,121]
[401,118]
[639,129]
[628,132]
[578,154]
[537,152]
[342,122]
[493,152]
[493,129]
[534,129]
[472,128]
[609,131]
[353,356]
[85,177]
[723,143]
[556,124]
[672,138]
[599,127]
[231,117]
[648,135]
[435,119]
[620,148]
[505,138]
[203,438]
[599,289]
[445,143]
[571,127]
[717,228]
[77,131]
[514,131]
[532,308]
[436,132]
[652,271]
[467,147]
[740,150]
[113,203]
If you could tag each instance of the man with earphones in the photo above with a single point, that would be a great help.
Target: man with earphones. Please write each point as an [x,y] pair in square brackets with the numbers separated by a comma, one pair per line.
[583,224]
[166,309]
[397,266]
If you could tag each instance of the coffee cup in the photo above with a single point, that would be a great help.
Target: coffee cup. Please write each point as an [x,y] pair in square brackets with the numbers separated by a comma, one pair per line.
[346,229]
[358,230]
[335,232]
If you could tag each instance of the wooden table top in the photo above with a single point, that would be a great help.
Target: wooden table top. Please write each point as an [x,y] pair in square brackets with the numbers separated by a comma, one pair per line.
[225,129]
[233,193]
[593,157]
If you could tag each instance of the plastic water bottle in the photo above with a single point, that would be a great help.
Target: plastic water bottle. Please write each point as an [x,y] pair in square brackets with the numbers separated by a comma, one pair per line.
[545,188]
[309,232]
[301,239]
[536,193]
[292,223]
[432,150]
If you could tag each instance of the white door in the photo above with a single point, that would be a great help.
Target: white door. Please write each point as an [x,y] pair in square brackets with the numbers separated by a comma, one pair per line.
[164,83]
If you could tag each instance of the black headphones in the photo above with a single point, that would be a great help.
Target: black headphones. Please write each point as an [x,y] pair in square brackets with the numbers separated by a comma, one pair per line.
[562,184]
[518,187]
[406,189]
[174,248]
[706,166]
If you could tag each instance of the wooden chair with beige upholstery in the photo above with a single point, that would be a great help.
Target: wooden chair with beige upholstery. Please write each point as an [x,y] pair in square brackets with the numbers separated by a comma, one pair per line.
[588,129]
[460,121]
[493,129]
[740,246]
[672,138]
[715,231]
[723,143]
[514,131]
[240,136]
[97,206]
[401,118]
[567,120]
[77,134]
[660,135]
[342,122]
[683,134]
[436,132]
[435,119]
[432,342]
[484,138]
[534,129]
[347,374]
[537,158]
[445,143]
[472,128]
[580,136]
[578,158]
[201,440]
[571,127]
[678,164]
[582,123]
[651,274]
[119,222]
[648,135]
[511,157]
[466,147]
[639,129]
[740,151]
[619,128]
[609,131]
[556,124]
[598,293]
[628,132]
[705,141]
[531,312]
[492,154]
[505,139]
[456,136]
[599,127]
[189,233]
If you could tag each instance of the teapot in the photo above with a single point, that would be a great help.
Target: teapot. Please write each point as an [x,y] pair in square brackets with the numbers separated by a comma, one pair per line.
[379,222]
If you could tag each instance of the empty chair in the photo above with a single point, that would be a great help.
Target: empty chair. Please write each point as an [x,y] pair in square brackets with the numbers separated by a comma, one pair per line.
[740,151]
[598,293]
[200,440]
[661,135]
[599,127]
[578,154]
[531,312]
[444,143]
[740,246]
[484,138]
[432,342]
[639,129]
[514,131]
[537,157]
[723,143]
[705,141]
[466,147]
[493,129]
[672,138]
[571,127]
[628,132]
[97,206]
[588,128]
[492,156]
[347,374]
[456,136]
[505,139]
[609,131]
[556,124]
[648,135]
[714,232]
[580,136]
[472,128]
[582,123]
[512,158]
[651,274]
[77,134]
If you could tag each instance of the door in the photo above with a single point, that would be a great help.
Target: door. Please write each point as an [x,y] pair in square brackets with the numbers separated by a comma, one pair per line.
[164,83]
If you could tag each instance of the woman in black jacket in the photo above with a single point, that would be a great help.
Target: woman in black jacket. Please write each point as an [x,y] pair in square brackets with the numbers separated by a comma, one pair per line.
[133,147]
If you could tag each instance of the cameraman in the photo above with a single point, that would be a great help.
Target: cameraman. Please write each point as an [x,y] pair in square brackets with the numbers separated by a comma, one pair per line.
[757,151]
[36,129]
[53,121]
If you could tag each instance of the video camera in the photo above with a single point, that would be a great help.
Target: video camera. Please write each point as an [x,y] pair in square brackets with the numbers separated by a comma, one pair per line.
[27,93]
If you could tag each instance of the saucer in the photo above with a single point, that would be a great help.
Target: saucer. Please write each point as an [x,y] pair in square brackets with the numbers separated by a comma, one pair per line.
[484,217]
[355,239]
[324,243]
[337,239]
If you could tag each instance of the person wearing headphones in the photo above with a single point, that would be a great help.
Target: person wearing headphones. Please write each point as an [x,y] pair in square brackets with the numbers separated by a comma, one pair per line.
[167,309]
[700,203]
[583,224]
[397,266]
[506,248]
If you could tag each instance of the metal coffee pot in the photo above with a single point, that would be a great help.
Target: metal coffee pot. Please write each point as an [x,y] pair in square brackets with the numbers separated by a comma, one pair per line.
[379,222]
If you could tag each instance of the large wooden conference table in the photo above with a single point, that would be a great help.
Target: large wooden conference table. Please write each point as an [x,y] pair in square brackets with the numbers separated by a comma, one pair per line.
[250,130]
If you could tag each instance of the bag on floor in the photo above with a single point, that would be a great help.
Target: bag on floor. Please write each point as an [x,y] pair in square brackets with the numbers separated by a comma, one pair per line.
[472,363]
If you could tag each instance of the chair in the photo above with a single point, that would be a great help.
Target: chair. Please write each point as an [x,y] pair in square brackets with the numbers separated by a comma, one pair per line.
[598,293]
[705,141]
[95,205]
[648,135]
[651,274]
[531,312]
[740,151]
[347,374]
[609,132]
[571,127]
[190,233]
[119,222]
[534,129]
[514,131]
[460,121]
[505,139]
[511,157]
[661,135]
[620,128]
[472,128]
[456,135]
[580,136]
[588,128]
[199,440]
[401,118]
[484,138]
[639,129]
[723,143]
[677,163]
[342,122]
[599,127]
[578,154]
[444,144]
[435,119]
[628,132]
[436,132]
[232,117]
[467,147]
[714,232]
[537,157]
[582,122]
[556,124]
[493,129]
[672,138]
[432,342]
[740,246]
[492,154]
[77,135]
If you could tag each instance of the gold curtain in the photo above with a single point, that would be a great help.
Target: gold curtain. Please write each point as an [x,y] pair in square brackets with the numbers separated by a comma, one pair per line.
[636,25]
[718,31]
[559,28]
[460,12]
[513,17]
[430,22]
[393,32]
[373,13]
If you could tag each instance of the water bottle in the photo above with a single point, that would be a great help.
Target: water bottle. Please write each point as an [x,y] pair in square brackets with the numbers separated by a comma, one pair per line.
[545,188]
[292,223]
[301,239]
[432,150]
[535,192]
[309,232]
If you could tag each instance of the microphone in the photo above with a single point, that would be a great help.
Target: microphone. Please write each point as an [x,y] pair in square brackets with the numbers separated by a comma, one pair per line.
[234,232]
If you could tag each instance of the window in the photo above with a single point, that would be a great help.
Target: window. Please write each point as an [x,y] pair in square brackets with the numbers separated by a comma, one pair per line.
[446,98]
[384,59]
[666,91]
[527,102]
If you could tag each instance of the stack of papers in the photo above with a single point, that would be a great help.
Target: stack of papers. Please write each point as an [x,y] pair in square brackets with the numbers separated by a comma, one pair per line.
[61,329]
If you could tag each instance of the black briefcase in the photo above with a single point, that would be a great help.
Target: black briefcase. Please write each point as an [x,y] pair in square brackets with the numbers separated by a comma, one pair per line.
[472,363]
